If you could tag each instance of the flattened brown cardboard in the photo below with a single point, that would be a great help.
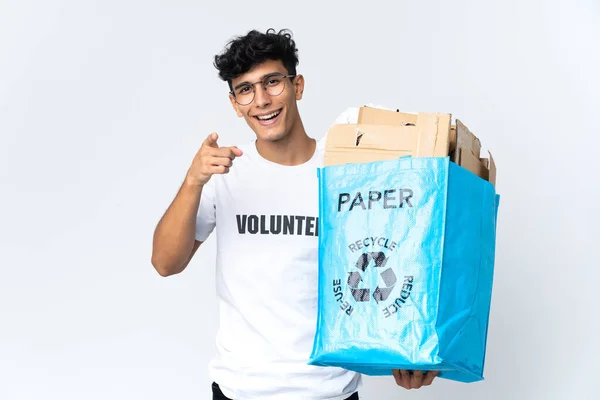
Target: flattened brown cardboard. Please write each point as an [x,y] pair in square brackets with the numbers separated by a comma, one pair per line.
[428,135]
[358,143]
[378,116]
[381,134]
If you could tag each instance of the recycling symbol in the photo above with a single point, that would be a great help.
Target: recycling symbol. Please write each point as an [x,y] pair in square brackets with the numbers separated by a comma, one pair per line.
[378,259]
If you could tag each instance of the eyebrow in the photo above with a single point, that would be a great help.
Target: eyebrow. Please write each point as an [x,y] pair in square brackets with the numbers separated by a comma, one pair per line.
[239,85]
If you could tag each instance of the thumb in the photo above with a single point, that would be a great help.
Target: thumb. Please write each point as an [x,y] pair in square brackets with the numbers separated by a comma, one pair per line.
[211,140]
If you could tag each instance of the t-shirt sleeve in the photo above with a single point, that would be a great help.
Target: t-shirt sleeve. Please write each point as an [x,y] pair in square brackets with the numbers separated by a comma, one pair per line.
[206,217]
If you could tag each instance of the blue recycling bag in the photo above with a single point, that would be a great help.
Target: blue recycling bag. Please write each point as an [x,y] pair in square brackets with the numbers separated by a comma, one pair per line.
[406,264]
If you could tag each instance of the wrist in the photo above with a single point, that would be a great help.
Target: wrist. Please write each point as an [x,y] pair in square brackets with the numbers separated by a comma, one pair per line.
[193,183]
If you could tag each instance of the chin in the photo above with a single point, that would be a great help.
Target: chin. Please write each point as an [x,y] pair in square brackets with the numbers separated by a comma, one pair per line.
[272,133]
[271,136]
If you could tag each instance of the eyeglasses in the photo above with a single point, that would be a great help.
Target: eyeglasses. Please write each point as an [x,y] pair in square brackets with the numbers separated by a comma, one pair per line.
[272,84]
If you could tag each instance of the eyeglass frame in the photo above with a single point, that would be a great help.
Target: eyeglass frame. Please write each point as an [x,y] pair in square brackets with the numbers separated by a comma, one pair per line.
[232,92]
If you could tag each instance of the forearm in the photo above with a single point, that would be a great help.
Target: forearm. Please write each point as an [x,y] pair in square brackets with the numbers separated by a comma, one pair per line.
[175,233]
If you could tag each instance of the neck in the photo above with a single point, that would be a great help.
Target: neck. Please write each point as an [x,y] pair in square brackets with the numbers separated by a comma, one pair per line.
[294,149]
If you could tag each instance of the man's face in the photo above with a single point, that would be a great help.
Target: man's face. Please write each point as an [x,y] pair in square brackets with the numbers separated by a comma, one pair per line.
[270,117]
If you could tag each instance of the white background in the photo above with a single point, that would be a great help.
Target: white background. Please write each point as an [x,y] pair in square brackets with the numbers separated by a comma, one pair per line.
[104,103]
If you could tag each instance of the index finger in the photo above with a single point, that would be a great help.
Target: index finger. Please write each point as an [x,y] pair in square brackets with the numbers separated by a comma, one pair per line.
[400,379]
[229,152]
[405,377]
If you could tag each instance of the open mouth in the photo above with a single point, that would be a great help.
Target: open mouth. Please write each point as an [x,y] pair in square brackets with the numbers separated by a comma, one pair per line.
[267,119]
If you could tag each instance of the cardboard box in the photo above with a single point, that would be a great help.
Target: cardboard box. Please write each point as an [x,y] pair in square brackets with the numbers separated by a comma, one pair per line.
[381,134]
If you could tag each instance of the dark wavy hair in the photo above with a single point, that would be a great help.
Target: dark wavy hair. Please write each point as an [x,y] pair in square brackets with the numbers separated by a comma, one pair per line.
[242,53]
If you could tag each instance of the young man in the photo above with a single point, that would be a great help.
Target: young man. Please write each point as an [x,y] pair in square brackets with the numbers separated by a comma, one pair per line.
[263,197]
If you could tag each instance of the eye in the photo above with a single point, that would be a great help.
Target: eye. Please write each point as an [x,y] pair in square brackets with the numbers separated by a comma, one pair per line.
[273,81]
[243,90]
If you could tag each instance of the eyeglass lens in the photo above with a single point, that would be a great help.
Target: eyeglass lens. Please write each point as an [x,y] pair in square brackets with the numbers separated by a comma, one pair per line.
[272,84]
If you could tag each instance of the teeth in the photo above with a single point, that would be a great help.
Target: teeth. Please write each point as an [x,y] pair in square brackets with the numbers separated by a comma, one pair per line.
[268,116]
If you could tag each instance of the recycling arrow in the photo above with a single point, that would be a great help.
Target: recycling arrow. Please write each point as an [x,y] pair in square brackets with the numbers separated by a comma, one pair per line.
[354,278]
[364,259]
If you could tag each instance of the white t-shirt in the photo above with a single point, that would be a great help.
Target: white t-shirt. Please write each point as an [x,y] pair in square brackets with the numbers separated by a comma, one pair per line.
[266,219]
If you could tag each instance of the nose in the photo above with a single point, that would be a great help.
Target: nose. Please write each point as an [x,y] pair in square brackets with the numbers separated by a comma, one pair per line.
[261,97]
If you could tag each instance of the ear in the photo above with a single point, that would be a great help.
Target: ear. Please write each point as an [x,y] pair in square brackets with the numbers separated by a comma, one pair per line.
[299,86]
[235,106]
